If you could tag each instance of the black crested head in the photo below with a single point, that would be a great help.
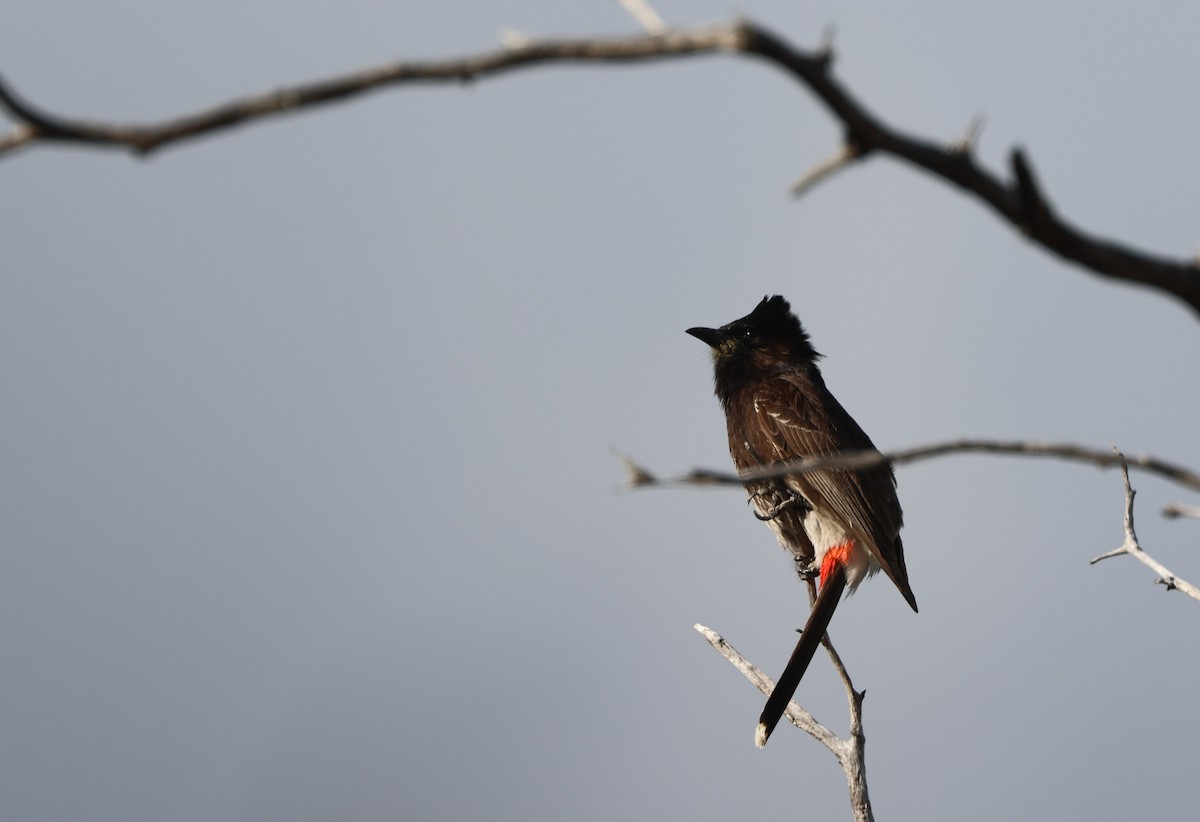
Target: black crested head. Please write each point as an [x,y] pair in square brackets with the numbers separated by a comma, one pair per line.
[770,329]
[767,341]
[773,319]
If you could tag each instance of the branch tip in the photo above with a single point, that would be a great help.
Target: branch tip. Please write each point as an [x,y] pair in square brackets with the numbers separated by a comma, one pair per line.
[1116,552]
[645,15]
[969,139]
[1175,510]
[1033,206]
[825,53]
[636,475]
[848,152]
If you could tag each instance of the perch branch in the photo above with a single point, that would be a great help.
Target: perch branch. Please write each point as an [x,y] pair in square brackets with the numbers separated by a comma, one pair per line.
[852,461]
[799,717]
[639,477]
[849,752]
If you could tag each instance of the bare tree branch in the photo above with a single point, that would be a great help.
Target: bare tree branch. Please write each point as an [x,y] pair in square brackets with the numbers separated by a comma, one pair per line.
[641,478]
[1133,548]
[853,461]
[849,752]
[1021,203]
[35,125]
[801,718]
[853,757]
[854,763]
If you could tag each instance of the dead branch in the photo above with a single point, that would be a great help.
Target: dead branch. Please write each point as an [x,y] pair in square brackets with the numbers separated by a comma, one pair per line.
[849,752]
[1020,202]
[1133,548]
[639,477]
[864,459]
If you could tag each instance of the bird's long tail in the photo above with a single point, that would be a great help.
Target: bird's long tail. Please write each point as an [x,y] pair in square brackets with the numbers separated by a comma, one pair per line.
[827,602]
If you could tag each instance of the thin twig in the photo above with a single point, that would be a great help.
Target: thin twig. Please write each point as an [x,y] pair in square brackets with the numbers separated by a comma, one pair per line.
[845,156]
[636,475]
[969,139]
[517,53]
[852,461]
[849,752]
[799,717]
[645,15]
[640,478]
[1174,510]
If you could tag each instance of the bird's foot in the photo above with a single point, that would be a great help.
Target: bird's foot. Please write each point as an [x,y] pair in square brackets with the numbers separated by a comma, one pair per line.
[806,569]
[777,509]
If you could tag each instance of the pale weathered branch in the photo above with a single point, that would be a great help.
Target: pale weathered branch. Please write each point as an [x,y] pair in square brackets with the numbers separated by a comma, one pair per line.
[853,758]
[849,752]
[854,763]
[801,718]
[1133,548]
[1021,202]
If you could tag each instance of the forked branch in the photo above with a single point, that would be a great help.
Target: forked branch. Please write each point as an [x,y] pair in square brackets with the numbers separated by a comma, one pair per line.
[1133,548]
[849,752]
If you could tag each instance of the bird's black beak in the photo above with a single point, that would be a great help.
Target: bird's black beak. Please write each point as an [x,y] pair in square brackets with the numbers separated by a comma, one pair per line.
[713,336]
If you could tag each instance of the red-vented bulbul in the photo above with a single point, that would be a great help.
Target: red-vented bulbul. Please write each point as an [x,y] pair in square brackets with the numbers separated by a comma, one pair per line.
[844,525]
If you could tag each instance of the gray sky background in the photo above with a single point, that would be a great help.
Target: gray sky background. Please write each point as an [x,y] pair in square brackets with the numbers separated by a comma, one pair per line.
[308,505]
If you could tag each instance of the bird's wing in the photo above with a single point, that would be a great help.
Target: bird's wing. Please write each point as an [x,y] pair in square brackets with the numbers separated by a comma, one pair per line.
[800,418]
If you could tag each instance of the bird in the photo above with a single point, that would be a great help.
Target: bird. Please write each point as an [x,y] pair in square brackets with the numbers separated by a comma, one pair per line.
[841,526]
